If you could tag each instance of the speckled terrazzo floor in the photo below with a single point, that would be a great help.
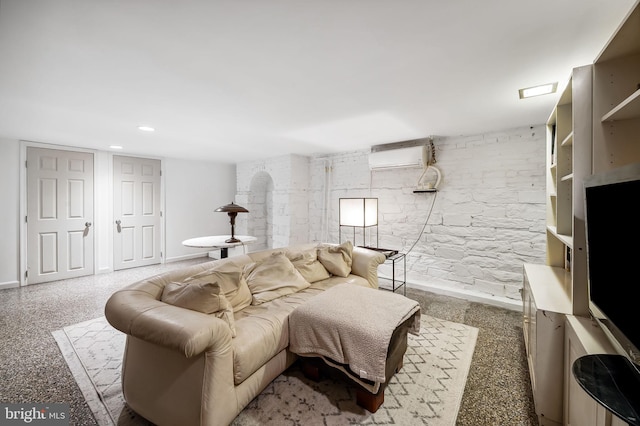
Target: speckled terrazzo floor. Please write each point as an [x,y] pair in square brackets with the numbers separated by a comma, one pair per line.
[498,391]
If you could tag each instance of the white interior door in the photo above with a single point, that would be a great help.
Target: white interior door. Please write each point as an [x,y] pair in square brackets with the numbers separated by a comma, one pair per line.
[59,214]
[136,212]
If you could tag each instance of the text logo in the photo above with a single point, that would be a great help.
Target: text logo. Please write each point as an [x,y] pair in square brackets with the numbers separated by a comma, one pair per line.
[34,414]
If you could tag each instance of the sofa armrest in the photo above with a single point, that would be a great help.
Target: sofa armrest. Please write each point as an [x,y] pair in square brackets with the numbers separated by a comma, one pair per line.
[137,314]
[365,264]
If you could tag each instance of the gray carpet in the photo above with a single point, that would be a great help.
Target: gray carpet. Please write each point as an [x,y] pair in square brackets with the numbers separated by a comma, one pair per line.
[497,392]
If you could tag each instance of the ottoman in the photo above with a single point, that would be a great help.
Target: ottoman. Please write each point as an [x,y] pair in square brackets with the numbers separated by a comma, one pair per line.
[360,331]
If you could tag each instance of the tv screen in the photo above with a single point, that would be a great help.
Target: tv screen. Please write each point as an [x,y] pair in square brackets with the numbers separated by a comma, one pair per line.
[612,220]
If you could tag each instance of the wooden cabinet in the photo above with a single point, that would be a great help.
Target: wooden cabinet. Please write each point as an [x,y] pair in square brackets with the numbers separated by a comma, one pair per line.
[545,307]
[584,337]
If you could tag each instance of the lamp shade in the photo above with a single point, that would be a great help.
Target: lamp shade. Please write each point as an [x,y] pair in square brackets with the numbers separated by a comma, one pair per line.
[232,208]
[361,212]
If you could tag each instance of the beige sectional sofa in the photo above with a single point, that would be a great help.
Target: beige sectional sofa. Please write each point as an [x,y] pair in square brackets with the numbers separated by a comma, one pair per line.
[193,360]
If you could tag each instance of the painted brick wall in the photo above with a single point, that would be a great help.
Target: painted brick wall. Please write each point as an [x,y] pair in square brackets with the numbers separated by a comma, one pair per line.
[279,217]
[487,219]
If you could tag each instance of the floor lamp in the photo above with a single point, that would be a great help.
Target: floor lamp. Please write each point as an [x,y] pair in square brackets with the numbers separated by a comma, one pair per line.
[359,213]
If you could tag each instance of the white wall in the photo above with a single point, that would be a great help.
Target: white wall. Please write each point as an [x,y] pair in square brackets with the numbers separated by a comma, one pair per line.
[192,191]
[9,236]
[290,206]
[488,217]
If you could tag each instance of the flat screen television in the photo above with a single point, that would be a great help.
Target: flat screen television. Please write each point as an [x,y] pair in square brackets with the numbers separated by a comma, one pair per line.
[612,226]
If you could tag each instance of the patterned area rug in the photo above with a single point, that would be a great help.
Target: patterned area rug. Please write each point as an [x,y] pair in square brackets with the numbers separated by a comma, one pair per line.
[427,390]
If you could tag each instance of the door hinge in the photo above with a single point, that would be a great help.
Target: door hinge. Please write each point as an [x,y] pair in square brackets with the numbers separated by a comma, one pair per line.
[26,164]
[160,213]
[160,255]
[26,219]
[26,274]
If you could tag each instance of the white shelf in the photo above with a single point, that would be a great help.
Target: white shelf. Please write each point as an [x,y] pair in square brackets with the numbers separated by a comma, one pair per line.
[547,286]
[592,338]
[566,239]
[568,141]
[629,108]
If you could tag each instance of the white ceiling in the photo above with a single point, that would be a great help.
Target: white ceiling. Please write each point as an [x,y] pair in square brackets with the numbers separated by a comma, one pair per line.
[241,80]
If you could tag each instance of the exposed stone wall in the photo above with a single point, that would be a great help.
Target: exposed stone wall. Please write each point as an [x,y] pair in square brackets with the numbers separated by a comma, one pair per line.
[275,193]
[487,219]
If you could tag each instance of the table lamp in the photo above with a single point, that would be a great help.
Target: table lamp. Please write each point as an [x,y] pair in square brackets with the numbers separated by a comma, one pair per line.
[232,210]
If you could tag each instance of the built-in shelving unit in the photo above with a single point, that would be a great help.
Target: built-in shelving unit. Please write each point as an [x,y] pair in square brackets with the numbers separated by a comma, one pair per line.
[559,287]
[569,134]
[616,98]
[594,127]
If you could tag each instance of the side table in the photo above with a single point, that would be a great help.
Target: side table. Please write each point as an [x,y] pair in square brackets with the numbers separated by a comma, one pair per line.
[218,242]
[395,282]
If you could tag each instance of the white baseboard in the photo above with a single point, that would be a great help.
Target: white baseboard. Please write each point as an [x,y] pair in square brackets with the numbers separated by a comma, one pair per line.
[472,296]
[185,257]
[9,284]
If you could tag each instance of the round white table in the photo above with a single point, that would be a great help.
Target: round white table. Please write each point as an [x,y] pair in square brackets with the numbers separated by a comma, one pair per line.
[219,242]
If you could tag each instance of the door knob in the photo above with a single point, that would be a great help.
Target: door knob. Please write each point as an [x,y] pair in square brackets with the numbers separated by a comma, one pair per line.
[87,224]
[118,227]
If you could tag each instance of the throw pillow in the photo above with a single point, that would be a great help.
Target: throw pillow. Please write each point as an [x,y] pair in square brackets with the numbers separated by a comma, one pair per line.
[337,259]
[232,282]
[273,277]
[203,296]
[309,266]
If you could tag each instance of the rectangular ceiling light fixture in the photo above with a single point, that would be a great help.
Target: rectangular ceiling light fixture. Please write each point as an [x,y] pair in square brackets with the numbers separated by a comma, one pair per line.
[543,89]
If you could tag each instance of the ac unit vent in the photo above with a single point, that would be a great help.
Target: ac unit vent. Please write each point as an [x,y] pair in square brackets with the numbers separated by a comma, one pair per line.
[404,157]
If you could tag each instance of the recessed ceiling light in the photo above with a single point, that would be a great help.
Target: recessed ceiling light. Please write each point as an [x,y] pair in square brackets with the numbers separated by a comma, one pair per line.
[115,146]
[146,129]
[543,89]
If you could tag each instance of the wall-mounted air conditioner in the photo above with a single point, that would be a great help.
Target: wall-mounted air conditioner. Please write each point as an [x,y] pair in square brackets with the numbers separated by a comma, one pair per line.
[414,153]
[413,156]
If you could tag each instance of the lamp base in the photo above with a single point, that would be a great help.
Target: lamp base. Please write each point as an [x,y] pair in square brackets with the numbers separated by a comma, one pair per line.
[232,240]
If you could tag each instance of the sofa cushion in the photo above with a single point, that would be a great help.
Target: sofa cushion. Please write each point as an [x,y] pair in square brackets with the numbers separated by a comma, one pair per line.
[307,263]
[263,332]
[202,295]
[337,259]
[336,280]
[234,286]
[273,277]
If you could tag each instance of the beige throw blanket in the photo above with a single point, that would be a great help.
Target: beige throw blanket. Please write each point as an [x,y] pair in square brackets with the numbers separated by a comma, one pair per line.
[351,325]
